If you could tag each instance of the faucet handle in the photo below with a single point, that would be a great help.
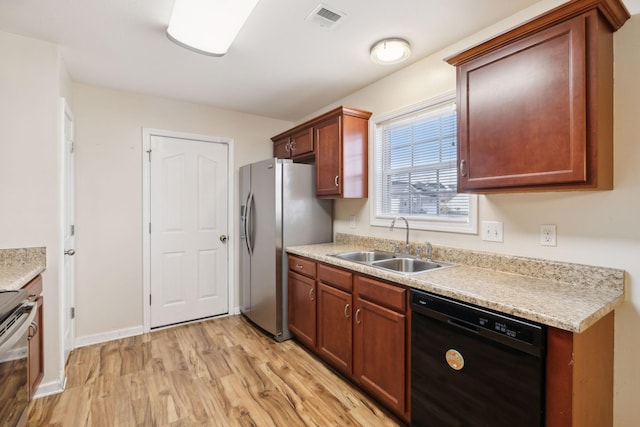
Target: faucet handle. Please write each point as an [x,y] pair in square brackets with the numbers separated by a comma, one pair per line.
[419,252]
[396,248]
[429,250]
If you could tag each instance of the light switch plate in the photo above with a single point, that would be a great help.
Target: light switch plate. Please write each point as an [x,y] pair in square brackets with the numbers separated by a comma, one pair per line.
[492,231]
[352,221]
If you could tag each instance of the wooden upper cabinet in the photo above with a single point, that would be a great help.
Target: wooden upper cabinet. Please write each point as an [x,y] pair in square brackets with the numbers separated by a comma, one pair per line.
[301,143]
[329,181]
[338,142]
[535,105]
[282,148]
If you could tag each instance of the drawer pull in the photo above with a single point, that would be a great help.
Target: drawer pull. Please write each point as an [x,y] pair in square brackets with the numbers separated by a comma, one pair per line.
[311,291]
[299,266]
[347,312]
[358,316]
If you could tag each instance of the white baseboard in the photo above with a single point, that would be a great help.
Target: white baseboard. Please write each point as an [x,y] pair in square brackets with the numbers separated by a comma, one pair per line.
[108,336]
[53,387]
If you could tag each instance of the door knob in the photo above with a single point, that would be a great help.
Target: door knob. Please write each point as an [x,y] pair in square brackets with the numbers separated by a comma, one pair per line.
[223,238]
[70,252]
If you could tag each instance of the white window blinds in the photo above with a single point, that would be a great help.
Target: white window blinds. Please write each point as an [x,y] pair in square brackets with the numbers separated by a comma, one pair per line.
[416,158]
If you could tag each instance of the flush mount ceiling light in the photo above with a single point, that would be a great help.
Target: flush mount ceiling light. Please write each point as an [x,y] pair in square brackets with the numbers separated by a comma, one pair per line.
[390,51]
[208,26]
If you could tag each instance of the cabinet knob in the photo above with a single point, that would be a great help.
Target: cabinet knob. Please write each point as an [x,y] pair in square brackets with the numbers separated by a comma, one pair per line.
[311,291]
[463,167]
[347,312]
[336,179]
[32,327]
[287,147]
[293,145]
[358,316]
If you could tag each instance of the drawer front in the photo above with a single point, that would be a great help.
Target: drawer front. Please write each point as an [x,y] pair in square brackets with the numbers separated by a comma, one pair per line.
[302,266]
[339,278]
[391,296]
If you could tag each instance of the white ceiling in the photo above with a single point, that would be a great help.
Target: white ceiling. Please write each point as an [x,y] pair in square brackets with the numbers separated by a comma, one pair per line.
[279,65]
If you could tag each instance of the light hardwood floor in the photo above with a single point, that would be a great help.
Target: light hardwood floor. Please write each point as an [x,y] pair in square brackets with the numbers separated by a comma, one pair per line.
[220,372]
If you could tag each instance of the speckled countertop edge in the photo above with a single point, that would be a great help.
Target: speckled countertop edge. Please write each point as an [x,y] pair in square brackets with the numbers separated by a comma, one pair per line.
[571,305]
[19,266]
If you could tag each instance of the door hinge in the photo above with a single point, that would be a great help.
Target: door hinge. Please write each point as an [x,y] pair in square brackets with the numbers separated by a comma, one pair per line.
[72,229]
[149,153]
[73,312]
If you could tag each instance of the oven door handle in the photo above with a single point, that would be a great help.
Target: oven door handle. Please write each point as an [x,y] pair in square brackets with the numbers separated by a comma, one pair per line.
[19,329]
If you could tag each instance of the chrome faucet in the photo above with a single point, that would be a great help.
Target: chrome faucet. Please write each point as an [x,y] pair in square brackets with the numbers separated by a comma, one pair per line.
[429,251]
[393,223]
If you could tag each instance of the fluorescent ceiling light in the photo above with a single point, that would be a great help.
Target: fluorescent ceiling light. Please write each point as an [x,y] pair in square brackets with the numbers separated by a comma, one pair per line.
[390,51]
[208,26]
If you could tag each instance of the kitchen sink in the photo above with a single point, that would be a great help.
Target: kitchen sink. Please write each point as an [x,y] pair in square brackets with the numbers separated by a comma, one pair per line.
[365,256]
[409,265]
[389,261]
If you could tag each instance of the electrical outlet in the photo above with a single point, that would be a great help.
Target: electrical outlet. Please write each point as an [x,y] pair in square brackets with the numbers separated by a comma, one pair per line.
[492,231]
[352,221]
[548,235]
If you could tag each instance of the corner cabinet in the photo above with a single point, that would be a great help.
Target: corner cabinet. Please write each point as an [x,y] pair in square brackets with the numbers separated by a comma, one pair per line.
[35,357]
[535,104]
[361,329]
[337,142]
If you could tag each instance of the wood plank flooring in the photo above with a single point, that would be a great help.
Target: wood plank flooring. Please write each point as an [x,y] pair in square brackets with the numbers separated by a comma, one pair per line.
[220,372]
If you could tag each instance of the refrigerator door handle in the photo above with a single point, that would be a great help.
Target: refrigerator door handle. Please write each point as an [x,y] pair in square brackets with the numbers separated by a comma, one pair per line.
[248,224]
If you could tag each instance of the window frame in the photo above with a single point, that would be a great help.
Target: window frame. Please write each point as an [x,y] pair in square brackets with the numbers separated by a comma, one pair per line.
[417,222]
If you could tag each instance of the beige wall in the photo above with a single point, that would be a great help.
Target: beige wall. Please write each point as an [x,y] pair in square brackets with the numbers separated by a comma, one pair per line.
[109,157]
[596,228]
[32,78]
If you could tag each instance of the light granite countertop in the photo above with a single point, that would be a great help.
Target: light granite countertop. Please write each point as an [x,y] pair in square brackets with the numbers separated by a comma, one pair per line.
[19,266]
[563,295]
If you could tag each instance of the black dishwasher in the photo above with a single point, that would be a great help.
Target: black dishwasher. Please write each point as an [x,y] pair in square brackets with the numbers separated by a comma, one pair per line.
[474,367]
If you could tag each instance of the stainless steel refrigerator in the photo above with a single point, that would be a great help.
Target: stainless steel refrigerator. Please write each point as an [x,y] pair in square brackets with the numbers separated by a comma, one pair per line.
[278,208]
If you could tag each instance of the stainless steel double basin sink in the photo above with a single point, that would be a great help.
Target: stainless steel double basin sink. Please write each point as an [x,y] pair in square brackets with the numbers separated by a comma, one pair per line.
[397,263]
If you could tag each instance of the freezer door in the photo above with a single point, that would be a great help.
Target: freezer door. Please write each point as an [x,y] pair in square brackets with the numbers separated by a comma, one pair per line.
[266,308]
[245,258]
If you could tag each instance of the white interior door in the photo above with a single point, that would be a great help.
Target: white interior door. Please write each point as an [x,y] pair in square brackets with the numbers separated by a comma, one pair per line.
[68,230]
[188,220]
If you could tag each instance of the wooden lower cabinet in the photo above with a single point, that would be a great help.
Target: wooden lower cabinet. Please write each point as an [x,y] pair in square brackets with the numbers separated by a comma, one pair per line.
[362,330]
[302,308]
[35,357]
[579,386]
[380,353]
[334,327]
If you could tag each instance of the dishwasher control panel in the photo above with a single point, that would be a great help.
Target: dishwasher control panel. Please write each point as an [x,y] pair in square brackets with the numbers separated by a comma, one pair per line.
[479,319]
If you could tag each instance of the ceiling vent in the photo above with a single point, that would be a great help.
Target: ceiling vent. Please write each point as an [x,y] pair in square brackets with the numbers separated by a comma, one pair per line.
[325,16]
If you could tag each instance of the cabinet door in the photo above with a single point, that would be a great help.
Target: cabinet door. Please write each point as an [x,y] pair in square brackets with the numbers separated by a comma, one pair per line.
[302,143]
[334,327]
[35,356]
[35,367]
[380,353]
[329,157]
[282,149]
[302,308]
[523,112]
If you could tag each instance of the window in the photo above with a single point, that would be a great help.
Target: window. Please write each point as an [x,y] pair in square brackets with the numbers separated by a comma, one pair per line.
[415,169]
